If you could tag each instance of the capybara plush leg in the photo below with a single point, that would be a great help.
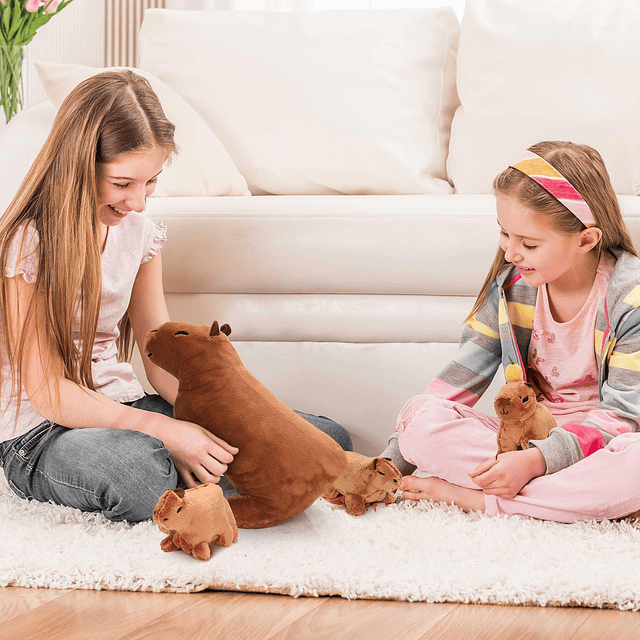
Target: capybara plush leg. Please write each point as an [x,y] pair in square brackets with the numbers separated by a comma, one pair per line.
[524,442]
[168,545]
[201,551]
[355,505]
[506,442]
[330,493]
[227,537]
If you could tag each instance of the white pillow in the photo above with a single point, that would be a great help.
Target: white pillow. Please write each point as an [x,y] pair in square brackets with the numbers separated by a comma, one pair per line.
[324,102]
[202,167]
[20,142]
[545,70]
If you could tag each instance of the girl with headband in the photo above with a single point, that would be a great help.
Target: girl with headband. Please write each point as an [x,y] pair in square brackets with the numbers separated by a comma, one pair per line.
[562,300]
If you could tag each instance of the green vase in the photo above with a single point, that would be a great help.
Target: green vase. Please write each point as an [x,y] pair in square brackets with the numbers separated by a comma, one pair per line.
[11,86]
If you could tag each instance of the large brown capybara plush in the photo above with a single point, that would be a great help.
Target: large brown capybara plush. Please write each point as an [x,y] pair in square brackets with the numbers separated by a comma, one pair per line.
[284,463]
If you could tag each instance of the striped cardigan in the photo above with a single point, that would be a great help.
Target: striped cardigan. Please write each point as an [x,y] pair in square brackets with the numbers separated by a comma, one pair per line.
[500,332]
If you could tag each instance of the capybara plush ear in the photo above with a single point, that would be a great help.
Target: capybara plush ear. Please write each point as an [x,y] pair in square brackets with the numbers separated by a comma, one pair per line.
[216,331]
[284,463]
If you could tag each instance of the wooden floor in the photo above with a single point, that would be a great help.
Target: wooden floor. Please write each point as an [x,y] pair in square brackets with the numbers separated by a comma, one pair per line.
[50,614]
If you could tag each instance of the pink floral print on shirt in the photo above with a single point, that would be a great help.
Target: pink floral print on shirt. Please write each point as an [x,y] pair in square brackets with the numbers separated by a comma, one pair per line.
[588,379]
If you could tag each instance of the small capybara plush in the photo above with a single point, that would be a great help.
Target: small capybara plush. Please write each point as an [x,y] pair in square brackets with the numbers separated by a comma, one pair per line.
[195,520]
[284,463]
[522,417]
[365,482]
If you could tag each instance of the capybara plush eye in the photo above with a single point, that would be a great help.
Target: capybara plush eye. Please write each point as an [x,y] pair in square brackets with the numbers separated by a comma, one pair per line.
[181,333]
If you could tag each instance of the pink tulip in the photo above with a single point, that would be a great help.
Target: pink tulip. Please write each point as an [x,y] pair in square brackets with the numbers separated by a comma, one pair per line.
[51,6]
[32,5]
[3,3]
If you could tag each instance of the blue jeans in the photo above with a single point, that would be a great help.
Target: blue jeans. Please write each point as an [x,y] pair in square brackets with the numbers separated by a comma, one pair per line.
[117,472]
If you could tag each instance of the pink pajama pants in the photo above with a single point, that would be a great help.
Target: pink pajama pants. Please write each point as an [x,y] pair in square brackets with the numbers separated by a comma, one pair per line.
[448,440]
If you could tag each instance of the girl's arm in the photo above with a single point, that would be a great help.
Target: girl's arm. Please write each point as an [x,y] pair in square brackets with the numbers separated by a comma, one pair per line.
[479,355]
[194,451]
[148,310]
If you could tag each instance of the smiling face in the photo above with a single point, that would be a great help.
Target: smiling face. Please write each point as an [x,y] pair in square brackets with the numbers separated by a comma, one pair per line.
[125,184]
[541,254]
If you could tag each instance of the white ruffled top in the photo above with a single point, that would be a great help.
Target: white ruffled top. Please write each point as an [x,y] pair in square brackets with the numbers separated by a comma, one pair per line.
[130,244]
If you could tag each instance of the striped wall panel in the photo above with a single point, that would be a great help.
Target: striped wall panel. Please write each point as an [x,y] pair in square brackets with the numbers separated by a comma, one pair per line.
[121,25]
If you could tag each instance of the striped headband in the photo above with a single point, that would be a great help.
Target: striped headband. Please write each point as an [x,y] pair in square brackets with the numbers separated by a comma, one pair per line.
[550,179]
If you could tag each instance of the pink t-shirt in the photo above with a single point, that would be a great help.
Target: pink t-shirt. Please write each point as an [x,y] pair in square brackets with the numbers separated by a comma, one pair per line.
[562,354]
[131,243]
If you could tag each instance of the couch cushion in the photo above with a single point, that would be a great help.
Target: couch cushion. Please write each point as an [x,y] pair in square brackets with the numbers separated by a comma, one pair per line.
[325,102]
[399,245]
[545,70]
[203,166]
[435,245]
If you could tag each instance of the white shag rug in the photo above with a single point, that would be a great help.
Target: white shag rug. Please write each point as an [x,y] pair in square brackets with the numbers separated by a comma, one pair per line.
[430,553]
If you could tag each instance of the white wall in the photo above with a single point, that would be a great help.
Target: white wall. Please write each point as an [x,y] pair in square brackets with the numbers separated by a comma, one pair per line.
[75,35]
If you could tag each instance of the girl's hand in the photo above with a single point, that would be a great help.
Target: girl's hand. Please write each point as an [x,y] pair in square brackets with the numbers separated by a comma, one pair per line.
[505,475]
[198,455]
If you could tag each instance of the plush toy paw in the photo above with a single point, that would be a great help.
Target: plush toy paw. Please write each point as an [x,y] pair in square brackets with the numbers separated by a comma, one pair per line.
[202,551]
[171,543]
[355,505]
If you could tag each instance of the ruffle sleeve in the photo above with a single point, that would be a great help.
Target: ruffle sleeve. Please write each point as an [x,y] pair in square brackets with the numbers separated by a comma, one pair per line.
[158,238]
[22,257]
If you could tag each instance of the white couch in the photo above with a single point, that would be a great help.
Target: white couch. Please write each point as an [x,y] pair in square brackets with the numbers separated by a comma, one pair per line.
[369,141]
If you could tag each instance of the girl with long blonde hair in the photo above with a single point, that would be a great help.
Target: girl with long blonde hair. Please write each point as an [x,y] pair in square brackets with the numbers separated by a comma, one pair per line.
[562,300]
[83,280]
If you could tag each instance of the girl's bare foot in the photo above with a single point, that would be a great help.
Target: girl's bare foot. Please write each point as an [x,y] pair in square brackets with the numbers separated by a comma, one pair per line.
[438,490]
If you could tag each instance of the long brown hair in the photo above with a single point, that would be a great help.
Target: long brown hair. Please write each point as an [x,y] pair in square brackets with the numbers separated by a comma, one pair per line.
[584,168]
[104,117]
